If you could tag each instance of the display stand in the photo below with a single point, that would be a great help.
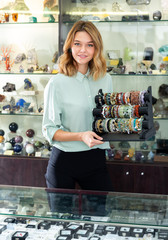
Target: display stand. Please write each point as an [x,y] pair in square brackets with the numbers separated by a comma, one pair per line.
[145,112]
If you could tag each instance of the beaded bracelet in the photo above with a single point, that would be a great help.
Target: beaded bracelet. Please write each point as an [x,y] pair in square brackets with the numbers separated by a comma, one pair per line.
[130,124]
[122,98]
[119,98]
[142,96]
[112,127]
[121,111]
[107,124]
[136,111]
[98,126]
[113,98]
[122,125]
[127,98]
[112,111]
[106,111]
[138,124]
[135,97]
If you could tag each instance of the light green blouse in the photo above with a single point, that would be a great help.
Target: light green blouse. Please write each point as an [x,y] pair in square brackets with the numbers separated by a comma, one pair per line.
[68,105]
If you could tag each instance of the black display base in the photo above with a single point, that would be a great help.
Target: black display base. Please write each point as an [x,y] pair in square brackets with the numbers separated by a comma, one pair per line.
[143,136]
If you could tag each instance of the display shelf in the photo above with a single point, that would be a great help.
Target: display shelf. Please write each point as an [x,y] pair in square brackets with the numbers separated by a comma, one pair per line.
[139,75]
[154,22]
[27,23]
[28,50]
[34,50]
[23,114]
[18,23]
[27,73]
[112,74]
[160,118]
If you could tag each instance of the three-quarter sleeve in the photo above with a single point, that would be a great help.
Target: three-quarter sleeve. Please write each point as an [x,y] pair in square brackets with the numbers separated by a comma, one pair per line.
[52,112]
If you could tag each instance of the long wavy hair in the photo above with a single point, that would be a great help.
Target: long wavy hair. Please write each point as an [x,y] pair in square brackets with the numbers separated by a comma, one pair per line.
[97,65]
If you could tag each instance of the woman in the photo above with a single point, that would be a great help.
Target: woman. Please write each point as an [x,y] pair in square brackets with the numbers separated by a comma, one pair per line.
[78,153]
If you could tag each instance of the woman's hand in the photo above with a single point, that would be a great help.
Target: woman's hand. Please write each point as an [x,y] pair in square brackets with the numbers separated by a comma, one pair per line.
[91,138]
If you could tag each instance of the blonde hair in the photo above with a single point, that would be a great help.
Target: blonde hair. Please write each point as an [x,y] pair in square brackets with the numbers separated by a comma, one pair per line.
[97,65]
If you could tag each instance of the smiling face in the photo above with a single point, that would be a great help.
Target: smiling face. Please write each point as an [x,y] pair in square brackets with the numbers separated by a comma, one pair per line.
[82,50]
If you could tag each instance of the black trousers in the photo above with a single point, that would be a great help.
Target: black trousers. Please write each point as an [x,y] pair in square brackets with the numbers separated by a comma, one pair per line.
[87,168]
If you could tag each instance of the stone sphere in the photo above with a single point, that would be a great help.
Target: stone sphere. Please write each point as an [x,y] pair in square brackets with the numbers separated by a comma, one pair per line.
[1,139]
[13,127]
[12,141]
[17,148]
[157,15]
[18,139]
[2,132]
[29,148]
[8,146]
[30,133]
[38,144]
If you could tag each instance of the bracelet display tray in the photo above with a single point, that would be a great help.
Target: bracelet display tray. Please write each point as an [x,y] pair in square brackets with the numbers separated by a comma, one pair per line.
[148,131]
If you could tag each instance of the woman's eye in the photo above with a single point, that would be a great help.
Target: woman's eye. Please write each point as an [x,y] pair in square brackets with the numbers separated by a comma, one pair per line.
[90,45]
[76,44]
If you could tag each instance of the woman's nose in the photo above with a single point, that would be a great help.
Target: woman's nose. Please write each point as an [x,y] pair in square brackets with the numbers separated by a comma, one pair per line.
[83,48]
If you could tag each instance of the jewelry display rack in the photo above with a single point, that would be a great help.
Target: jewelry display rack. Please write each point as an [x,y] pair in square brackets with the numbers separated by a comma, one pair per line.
[145,111]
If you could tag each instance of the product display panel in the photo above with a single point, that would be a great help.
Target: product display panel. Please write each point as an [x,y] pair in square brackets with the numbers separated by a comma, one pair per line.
[39,213]
[134,34]
[28,55]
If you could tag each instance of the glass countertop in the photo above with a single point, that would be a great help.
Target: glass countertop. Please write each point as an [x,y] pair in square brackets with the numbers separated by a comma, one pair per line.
[93,206]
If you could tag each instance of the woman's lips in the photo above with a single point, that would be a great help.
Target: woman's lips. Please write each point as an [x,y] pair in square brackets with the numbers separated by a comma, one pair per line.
[82,56]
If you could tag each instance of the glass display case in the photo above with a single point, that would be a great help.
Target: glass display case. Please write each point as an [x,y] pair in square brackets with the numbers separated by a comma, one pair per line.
[39,213]
[33,33]
[28,55]
[135,46]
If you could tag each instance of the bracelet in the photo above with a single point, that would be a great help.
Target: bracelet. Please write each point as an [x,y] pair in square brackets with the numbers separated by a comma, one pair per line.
[142,95]
[105,98]
[130,124]
[113,98]
[137,111]
[127,98]
[99,126]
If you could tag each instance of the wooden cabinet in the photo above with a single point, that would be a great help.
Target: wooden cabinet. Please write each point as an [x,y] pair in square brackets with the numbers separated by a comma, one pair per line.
[125,176]
[139,177]
[23,171]
[121,177]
